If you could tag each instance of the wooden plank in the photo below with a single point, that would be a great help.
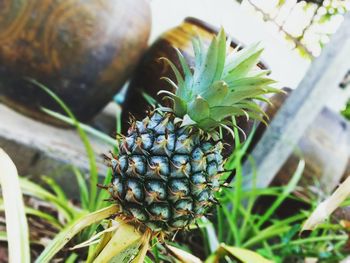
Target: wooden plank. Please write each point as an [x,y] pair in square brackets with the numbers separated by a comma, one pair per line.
[301,108]
[40,149]
[326,154]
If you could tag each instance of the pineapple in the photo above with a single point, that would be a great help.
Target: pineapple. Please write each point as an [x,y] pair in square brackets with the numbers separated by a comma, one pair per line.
[169,164]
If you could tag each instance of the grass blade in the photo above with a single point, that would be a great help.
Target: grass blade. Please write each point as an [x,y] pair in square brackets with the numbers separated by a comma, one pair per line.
[140,258]
[286,192]
[266,234]
[34,212]
[73,229]
[72,258]
[55,188]
[84,138]
[327,207]
[124,244]
[16,221]
[182,255]
[96,133]
[212,238]
[150,100]
[83,189]
[34,190]
[245,255]
[103,195]
[303,241]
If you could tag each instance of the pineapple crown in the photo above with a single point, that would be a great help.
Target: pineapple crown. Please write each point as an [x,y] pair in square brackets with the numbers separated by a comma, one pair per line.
[222,84]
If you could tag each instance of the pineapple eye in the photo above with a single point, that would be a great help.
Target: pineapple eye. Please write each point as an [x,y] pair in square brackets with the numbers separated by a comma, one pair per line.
[133,191]
[138,213]
[207,147]
[129,143]
[155,226]
[198,178]
[161,128]
[155,191]
[158,167]
[198,183]
[184,144]
[211,157]
[147,141]
[184,205]
[123,163]
[117,188]
[160,211]
[164,145]
[180,222]
[170,142]
[199,209]
[198,162]
[154,121]
[197,154]
[141,127]
[136,165]
[178,188]
[215,184]
[180,166]
[157,187]
[212,169]
[160,145]
[204,196]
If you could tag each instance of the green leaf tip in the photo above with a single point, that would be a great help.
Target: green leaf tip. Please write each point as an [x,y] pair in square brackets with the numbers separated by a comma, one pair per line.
[224,82]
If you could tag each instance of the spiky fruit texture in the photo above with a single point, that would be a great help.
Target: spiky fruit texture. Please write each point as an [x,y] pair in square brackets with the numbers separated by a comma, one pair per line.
[165,175]
[169,164]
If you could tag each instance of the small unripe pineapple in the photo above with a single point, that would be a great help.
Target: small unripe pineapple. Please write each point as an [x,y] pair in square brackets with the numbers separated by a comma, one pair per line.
[169,164]
[165,175]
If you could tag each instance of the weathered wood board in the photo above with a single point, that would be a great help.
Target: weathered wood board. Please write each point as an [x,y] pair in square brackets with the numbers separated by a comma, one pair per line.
[320,83]
[40,149]
[326,154]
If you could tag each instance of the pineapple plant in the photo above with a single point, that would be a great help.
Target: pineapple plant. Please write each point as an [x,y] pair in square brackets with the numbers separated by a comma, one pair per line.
[169,164]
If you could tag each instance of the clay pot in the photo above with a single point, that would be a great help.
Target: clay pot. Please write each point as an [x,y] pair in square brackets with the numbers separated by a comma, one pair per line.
[82,50]
[150,70]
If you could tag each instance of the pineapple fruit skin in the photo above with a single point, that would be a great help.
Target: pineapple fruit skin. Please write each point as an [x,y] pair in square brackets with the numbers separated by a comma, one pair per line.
[165,175]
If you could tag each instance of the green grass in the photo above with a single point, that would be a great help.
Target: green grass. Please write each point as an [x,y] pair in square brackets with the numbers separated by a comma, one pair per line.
[91,199]
[17,232]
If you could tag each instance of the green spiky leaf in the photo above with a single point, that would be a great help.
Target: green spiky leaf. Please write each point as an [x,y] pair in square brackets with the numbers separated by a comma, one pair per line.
[222,84]
[198,109]
[179,78]
[221,112]
[216,93]
[221,53]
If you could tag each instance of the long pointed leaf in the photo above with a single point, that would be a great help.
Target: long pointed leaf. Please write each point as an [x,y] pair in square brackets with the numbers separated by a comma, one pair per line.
[73,229]
[84,138]
[16,221]
[124,243]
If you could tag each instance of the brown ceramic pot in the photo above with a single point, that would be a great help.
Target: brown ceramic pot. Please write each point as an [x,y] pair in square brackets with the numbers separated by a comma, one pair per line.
[150,70]
[82,50]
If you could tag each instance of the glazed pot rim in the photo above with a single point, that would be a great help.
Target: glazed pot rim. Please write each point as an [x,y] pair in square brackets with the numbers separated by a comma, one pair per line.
[207,26]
